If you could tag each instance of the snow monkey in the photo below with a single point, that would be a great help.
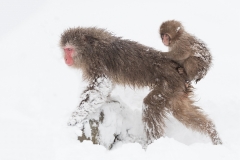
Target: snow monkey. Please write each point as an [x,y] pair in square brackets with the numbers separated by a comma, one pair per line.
[185,49]
[101,55]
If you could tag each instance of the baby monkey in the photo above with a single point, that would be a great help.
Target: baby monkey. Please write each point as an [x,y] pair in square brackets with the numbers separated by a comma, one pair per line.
[190,53]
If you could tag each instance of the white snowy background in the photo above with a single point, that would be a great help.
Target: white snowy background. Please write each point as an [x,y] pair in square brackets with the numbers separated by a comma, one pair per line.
[38,92]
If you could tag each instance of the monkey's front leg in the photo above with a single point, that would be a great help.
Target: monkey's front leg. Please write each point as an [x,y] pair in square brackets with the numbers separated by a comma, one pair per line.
[92,98]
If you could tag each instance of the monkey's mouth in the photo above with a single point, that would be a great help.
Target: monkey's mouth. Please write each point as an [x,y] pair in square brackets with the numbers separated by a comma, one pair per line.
[69,61]
[68,55]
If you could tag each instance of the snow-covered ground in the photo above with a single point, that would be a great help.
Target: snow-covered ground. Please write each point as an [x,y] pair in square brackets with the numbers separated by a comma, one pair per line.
[39,92]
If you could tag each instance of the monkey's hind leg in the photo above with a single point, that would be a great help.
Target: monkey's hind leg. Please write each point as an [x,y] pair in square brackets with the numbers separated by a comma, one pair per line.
[192,117]
[154,112]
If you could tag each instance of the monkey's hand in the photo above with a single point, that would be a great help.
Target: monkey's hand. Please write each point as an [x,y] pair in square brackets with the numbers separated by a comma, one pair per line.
[197,80]
[163,54]
[180,70]
[187,83]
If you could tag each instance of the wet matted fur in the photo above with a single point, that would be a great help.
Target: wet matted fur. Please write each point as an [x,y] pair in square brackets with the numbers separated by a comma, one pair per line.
[98,53]
[187,50]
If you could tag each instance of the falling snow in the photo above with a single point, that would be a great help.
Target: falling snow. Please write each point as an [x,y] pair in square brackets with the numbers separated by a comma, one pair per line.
[39,93]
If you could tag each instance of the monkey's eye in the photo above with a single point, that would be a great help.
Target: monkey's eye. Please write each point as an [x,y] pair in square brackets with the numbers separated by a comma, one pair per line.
[68,49]
[162,35]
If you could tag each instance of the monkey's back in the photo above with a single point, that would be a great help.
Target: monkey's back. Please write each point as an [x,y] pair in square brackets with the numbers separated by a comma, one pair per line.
[200,61]
[130,63]
[126,62]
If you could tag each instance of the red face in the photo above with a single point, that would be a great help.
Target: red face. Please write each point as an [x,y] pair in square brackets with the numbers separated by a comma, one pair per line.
[166,39]
[68,55]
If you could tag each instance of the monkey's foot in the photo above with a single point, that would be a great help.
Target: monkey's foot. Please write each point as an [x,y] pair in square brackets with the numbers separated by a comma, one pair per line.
[216,139]
[151,137]
[213,134]
[153,132]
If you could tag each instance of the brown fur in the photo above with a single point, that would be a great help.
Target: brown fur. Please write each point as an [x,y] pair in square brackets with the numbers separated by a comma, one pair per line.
[189,52]
[99,53]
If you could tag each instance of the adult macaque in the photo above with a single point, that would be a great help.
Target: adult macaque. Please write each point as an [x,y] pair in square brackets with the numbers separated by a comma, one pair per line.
[104,57]
[185,49]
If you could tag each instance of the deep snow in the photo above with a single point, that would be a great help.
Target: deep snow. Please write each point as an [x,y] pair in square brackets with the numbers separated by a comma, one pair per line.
[39,92]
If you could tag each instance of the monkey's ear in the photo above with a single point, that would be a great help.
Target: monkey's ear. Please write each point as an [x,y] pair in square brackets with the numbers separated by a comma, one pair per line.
[89,39]
[177,30]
